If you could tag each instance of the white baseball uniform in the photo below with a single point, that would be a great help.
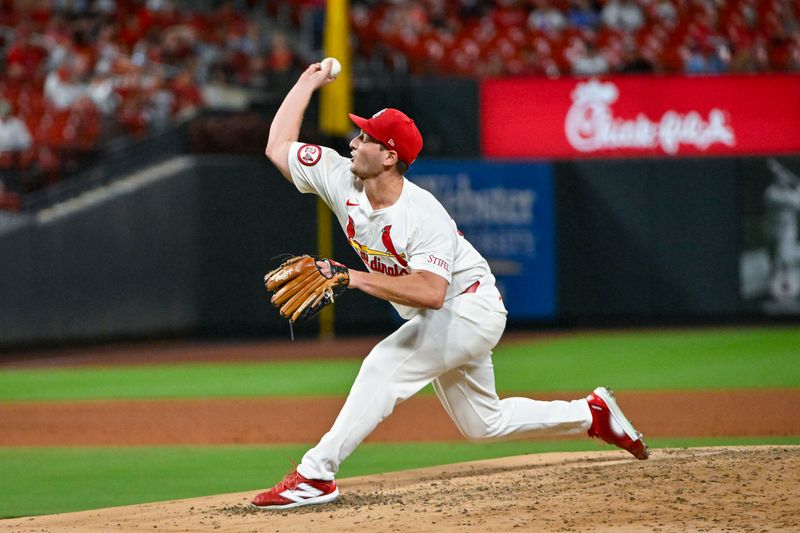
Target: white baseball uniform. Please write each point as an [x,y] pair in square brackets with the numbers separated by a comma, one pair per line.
[450,347]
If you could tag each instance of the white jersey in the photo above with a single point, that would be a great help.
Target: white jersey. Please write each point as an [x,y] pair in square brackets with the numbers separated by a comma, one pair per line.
[415,233]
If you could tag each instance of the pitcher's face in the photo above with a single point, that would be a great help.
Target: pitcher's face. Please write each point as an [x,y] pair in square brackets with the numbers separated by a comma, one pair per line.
[368,156]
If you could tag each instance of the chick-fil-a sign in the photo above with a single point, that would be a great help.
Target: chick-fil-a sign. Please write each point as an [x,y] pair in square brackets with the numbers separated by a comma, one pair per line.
[591,125]
[632,117]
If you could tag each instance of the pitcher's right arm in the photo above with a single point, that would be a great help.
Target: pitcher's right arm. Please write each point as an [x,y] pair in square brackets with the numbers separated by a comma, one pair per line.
[285,127]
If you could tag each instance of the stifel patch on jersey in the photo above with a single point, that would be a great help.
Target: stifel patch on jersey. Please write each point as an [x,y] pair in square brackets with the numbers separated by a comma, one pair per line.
[309,154]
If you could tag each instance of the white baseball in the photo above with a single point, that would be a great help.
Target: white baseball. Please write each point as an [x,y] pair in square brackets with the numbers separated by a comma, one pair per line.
[336,67]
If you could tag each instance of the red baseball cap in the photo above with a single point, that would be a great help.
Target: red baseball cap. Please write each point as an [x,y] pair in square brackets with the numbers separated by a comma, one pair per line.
[394,129]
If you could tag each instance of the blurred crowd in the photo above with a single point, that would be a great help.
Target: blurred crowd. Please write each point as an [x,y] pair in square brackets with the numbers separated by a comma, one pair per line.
[75,73]
[580,37]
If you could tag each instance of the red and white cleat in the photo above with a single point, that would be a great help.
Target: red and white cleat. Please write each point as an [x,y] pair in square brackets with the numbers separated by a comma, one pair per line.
[610,425]
[296,490]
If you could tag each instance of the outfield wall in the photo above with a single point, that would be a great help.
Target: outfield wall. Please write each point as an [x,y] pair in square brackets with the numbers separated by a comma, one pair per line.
[178,249]
[648,239]
[182,247]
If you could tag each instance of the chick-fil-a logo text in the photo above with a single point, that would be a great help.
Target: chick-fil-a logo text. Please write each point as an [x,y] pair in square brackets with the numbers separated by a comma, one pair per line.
[591,126]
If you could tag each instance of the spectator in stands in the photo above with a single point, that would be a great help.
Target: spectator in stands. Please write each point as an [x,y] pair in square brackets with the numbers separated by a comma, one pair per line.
[794,53]
[15,138]
[176,45]
[59,45]
[249,40]
[694,59]
[663,12]
[546,17]
[587,60]
[15,152]
[219,94]
[759,57]
[637,60]
[159,98]
[281,59]
[188,97]
[107,50]
[257,73]
[62,89]
[719,60]
[131,33]
[101,92]
[582,15]
[24,53]
[470,9]
[622,15]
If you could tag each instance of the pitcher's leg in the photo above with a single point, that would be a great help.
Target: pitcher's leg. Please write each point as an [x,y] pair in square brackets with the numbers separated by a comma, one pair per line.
[395,369]
[469,397]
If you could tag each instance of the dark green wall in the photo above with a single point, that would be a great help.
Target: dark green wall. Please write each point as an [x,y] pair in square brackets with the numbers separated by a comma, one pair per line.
[184,255]
[647,238]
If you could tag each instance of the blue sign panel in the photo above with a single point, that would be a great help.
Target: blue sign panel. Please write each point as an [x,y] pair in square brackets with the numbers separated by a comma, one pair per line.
[506,211]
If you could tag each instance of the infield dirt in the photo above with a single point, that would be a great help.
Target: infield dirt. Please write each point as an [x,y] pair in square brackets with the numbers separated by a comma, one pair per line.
[702,489]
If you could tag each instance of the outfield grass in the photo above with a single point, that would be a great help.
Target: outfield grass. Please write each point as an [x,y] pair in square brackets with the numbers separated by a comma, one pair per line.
[702,359]
[56,480]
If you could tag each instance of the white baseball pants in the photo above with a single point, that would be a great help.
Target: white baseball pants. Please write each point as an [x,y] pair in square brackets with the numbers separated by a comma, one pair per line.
[450,347]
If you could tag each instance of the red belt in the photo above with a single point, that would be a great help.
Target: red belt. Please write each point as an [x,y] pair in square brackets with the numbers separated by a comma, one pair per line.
[472,288]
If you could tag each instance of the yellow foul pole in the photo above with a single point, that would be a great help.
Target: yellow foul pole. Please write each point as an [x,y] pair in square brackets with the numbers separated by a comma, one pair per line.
[336,101]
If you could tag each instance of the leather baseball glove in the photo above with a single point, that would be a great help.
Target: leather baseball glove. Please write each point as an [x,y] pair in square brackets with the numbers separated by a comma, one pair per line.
[303,285]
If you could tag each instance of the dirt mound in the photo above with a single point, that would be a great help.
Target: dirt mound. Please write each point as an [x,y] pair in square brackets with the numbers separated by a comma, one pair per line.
[731,489]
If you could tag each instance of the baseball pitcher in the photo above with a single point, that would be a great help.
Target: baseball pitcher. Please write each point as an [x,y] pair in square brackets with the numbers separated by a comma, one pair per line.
[416,259]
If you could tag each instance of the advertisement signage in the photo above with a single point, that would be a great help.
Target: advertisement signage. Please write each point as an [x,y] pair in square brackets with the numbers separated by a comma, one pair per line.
[506,211]
[640,116]
[769,265]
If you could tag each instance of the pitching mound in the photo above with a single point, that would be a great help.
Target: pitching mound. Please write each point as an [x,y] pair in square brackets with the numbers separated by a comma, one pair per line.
[703,489]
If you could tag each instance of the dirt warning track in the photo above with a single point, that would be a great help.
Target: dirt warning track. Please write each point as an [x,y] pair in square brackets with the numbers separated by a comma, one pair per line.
[421,418]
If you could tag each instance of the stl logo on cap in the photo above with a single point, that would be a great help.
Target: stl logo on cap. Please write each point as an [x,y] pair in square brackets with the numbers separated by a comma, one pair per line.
[394,129]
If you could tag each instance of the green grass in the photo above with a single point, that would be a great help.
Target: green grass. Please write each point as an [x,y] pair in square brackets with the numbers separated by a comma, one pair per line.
[681,359]
[56,480]
[319,378]
[691,359]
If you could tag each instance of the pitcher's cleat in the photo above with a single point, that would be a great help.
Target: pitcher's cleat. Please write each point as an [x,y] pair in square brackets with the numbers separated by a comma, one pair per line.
[610,425]
[295,491]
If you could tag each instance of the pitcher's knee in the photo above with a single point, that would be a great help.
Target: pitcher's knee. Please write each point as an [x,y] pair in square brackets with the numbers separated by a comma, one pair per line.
[373,369]
[478,432]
